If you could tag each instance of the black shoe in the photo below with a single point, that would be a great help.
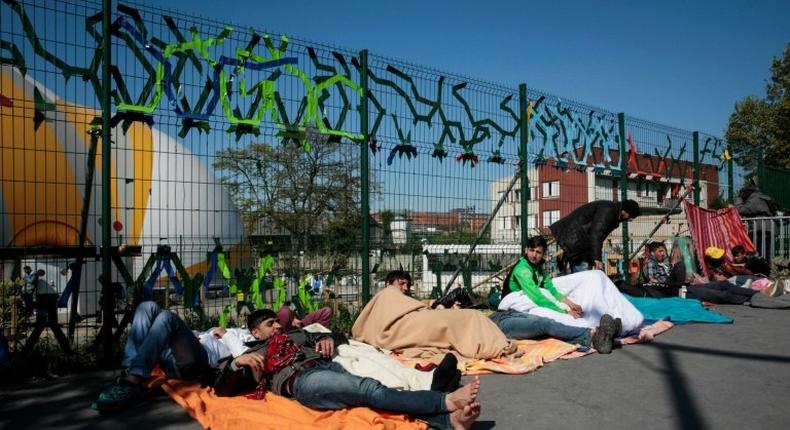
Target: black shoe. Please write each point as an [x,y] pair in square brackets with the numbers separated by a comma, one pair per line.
[120,395]
[603,339]
[446,377]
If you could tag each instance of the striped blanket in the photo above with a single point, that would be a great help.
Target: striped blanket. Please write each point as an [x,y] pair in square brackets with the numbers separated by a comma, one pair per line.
[721,228]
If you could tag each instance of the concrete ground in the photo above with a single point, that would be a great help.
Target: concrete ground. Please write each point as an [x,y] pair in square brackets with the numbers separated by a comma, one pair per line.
[693,377]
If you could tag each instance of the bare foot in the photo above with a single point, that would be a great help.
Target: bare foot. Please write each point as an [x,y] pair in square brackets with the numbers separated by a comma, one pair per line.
[463,396]
[462,419]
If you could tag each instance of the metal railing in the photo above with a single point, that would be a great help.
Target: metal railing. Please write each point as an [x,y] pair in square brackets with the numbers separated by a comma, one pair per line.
[770,235]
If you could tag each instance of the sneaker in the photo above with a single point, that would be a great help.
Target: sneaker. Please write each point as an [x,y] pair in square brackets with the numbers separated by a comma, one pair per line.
[603,338]
[120,395]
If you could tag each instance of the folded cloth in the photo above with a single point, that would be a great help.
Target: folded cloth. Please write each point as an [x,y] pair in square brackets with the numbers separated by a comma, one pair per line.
[276,412]
[362,359]
[676,309]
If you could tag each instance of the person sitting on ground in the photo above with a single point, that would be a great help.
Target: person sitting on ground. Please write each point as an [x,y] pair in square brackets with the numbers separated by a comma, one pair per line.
[394,321]
[656,278]
[580,299]
[581,233]
[749,264]
[298,366]
[721,270]
[738,264]
[714,261]
[659,279]
[719,292]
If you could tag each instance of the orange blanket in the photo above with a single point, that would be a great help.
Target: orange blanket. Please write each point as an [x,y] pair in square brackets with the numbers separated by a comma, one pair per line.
[275,412]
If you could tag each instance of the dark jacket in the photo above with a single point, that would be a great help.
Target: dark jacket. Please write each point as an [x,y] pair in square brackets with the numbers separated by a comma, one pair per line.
[582,232]
[756,205]
[234,380]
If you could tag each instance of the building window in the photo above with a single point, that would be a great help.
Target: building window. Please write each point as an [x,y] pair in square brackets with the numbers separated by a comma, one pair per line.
[517,195]
[550,217]
[517,221]
[551,189]
[505,221]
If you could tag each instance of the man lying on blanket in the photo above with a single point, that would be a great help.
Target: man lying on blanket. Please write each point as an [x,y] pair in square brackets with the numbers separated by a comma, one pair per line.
[158,336]
[394,321]
[298,365]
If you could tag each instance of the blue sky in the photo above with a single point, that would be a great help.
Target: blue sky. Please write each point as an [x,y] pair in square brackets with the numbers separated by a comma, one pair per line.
[680,63]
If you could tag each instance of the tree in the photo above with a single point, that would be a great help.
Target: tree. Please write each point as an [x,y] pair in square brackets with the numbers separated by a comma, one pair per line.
[761,126]
[312,194]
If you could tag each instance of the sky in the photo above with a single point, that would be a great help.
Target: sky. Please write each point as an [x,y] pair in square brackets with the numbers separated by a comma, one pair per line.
[679,63]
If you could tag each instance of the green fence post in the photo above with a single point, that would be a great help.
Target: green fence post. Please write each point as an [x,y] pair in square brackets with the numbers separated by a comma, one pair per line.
[695,137]
[730,179]
[363,171]
[524,180]
[108,302]
[760,171]
[623,188]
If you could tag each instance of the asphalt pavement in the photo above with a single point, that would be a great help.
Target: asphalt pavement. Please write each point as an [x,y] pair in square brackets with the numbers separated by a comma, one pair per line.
[697,376]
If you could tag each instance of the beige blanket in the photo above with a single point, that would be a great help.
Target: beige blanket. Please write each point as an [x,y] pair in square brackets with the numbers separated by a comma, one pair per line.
[394,321]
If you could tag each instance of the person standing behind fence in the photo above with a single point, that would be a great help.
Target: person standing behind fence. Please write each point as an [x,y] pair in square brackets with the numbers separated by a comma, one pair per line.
[29,289]
[756,204]
[581,233]
[46,313]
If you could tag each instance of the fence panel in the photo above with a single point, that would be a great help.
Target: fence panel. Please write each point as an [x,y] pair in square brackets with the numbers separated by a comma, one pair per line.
[230,144]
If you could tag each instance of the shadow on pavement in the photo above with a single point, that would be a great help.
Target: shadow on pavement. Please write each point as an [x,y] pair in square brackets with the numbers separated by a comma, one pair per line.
[64,403]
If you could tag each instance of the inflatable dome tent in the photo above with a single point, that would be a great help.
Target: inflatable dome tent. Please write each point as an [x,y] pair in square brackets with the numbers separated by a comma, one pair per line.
[161,191]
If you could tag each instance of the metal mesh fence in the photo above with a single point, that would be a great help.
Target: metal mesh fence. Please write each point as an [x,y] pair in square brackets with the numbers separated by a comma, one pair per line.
[230,144]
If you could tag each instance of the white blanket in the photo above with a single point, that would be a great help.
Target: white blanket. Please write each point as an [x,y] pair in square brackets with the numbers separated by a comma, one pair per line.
[593,291]
[365,360]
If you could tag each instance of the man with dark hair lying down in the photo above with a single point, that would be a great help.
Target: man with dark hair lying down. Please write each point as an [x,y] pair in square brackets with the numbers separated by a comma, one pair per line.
[298,365]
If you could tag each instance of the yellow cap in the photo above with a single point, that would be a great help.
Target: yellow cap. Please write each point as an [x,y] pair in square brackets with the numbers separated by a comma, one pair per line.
[714,252]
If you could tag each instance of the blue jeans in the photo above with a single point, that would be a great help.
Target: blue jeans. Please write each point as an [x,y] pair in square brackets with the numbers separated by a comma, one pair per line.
[720,292]
[330,386]
[158,335]
[520,325]
[739,280]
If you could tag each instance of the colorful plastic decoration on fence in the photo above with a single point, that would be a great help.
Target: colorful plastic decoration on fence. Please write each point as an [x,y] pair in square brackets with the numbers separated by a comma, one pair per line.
[248,87]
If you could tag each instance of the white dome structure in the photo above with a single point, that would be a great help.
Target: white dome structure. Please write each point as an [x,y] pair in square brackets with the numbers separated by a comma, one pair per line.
[160,189]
